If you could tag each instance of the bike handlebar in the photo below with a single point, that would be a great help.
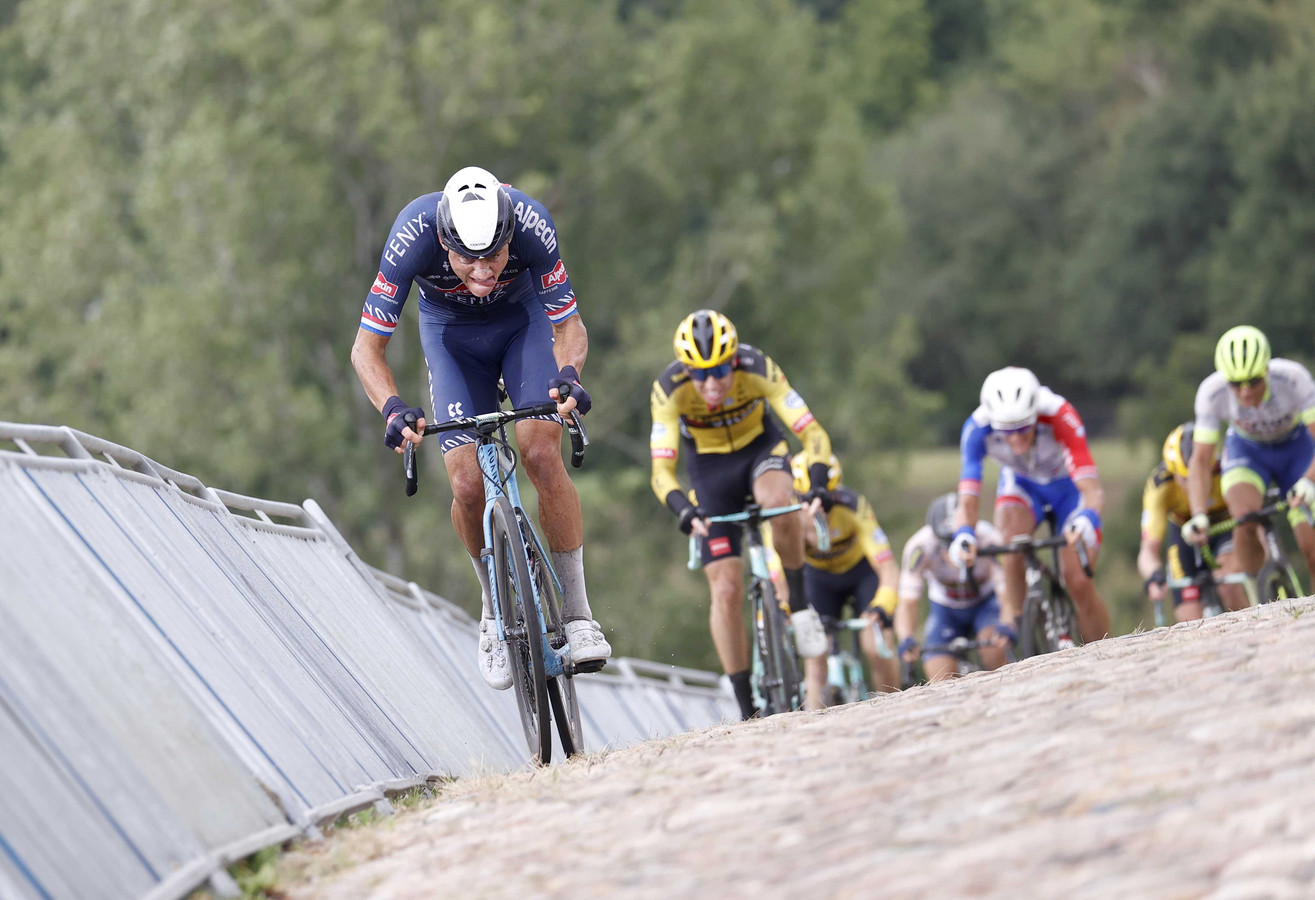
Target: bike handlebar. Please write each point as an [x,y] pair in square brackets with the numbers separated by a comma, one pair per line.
[487,423]
[819,525]
[1024,543]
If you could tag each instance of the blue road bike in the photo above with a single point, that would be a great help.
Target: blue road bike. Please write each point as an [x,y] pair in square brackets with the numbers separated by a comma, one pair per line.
[527,594]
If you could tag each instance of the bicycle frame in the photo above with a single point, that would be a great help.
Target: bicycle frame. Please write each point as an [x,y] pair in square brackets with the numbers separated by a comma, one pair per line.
[513,551]
[1269,541]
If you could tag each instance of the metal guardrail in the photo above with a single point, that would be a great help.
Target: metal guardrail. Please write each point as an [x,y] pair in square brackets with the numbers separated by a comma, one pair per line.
[188,675]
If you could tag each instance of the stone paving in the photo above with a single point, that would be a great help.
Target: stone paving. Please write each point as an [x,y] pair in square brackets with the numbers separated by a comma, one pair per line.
[1174,763]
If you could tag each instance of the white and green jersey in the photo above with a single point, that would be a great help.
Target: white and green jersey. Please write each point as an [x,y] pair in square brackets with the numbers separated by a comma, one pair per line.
[1289,404]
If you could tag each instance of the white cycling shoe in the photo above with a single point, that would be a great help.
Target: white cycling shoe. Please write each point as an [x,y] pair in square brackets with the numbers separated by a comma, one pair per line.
[493,663]
[809,635]
[587,641]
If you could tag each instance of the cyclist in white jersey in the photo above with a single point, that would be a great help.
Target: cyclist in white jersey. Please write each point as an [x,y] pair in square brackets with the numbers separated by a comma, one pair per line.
[966,606]
[1269,405]
[1046,473]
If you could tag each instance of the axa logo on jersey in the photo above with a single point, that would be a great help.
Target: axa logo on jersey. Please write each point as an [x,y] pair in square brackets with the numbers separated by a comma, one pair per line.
[383,286]
[556,276]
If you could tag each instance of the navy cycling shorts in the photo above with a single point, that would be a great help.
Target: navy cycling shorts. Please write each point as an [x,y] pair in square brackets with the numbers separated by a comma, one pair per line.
[514,342]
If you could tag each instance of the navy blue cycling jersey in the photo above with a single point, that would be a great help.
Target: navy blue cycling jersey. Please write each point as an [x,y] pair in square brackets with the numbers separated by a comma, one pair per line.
[534,271]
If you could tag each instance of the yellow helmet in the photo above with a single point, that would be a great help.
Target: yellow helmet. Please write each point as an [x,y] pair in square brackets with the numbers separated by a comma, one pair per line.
[1178,449]
[799,467]
[1242,353]
[705,339]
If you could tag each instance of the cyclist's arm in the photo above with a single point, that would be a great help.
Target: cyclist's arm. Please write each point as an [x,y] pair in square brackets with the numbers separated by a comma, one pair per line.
[972,452]
[371,365]
[1154,515]
[664,445]
[1093,494]
[570,343]
[876,547]
[1200,475]
[911,582]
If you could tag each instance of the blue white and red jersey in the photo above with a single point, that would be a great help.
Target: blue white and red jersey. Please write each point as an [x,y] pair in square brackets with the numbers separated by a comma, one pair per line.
[534,272]
[1058,452]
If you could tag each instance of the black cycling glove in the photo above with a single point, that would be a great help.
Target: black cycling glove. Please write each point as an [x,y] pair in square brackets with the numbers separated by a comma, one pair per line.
[568,375]
[395,414]
[817,477]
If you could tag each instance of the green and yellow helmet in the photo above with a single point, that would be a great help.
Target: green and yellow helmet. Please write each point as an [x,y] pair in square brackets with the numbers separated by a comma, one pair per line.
[1242,353]
[799,468]
[705,338]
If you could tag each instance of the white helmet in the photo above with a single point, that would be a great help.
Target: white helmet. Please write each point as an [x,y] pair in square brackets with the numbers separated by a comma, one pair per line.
[475,217]
[1010,397]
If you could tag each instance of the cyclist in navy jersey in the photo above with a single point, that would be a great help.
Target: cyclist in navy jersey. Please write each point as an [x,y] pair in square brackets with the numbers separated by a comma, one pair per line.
[495,301]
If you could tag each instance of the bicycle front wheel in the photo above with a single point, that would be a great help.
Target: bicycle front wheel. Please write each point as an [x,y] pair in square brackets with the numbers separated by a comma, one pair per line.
[1032,640]
[781,672]
[561,689]
[1273,582]
[520,620]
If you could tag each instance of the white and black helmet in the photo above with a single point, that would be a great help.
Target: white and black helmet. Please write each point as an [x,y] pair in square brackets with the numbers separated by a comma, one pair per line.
[1011,396]
[475,216]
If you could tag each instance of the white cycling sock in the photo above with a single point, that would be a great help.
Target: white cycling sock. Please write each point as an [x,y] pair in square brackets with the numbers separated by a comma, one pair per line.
[486,592]
[570,569]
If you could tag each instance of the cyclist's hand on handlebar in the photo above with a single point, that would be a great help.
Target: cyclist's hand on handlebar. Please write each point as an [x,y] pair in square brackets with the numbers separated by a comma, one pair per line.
[1005,635]
[1302,493]
[963,548]
[1154,586]
[693,520]
[908,650]
[1197,529]
[405,423]
[1084,526]
[578,397]
[817,500]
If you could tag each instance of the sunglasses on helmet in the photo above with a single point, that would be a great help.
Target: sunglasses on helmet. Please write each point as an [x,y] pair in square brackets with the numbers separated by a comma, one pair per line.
[1247,383]
[720,371]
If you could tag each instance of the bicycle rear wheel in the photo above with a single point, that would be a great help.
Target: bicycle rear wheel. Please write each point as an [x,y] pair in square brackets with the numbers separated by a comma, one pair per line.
[520,620]
[561,688]
[1273,582]
[1032,640]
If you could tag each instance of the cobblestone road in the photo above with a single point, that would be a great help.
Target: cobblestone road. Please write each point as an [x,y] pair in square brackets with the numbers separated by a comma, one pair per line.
[1175,763]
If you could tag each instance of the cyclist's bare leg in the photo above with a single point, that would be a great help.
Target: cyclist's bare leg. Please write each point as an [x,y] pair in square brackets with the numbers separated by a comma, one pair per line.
[776,488]
[1188,611]
[940,667]
[467,496]
[814,682]
[726,581]
[885,672]
[992,657]
[1305,536]
[540,443]
[1093,615]
[1243,498]
[1233,596]
[1012,519]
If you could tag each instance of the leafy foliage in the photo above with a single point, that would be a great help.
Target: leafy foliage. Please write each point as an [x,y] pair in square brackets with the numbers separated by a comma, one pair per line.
[891,197]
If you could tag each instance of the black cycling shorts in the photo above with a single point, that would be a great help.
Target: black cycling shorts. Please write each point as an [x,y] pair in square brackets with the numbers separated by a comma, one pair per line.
[721,482]
[828,592]
[1181,558]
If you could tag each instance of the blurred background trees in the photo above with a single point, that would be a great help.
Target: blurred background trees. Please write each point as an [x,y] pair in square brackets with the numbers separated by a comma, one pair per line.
[891,197]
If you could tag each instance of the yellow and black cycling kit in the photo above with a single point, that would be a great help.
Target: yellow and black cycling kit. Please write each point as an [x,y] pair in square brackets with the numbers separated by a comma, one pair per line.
[855,534]
[1164,501]
[681,415]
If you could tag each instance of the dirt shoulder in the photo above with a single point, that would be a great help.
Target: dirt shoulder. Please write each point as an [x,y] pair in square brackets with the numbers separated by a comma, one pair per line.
[1177,763]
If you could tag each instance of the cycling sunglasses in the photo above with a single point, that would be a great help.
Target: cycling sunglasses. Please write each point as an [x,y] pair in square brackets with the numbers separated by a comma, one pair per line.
[1247,383]
[1021,429]
[720,371]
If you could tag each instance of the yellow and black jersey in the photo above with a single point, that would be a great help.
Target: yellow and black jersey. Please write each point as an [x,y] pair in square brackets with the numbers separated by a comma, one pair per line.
[680,413]
[855,535]
[1164,501]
